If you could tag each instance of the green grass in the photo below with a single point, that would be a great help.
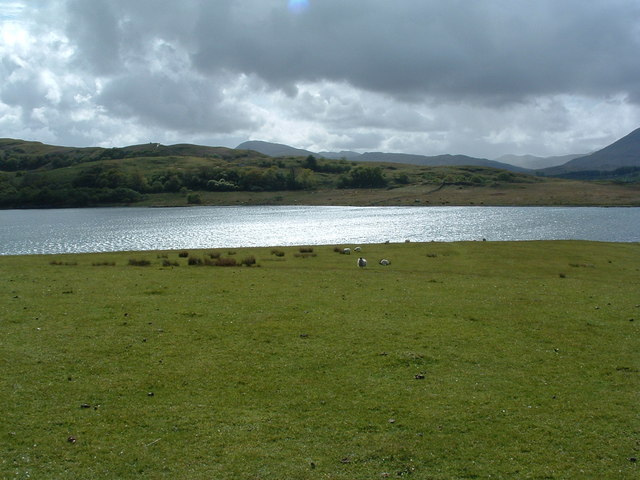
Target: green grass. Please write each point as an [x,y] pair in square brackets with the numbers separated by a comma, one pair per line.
[306,367]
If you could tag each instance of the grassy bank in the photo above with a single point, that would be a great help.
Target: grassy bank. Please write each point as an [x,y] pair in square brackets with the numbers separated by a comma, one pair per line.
[462,360]
[547,192]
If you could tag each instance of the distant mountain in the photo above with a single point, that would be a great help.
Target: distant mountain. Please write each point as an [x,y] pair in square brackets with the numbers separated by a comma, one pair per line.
[533,162]
[274,149]
[437,160]
[346,154]
[277,149]
[621,153]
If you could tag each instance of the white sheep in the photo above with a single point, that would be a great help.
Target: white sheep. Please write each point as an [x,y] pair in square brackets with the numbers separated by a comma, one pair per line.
[346,251]
[357,249]
[362,262]
[384,261]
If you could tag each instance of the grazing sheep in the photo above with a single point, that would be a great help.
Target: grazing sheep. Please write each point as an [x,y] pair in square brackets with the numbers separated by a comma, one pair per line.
[362,262]
[384,261]
[357,249]
[347,251]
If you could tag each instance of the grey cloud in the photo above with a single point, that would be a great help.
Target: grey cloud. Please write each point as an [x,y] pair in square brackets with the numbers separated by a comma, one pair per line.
[193,105]
[496,50]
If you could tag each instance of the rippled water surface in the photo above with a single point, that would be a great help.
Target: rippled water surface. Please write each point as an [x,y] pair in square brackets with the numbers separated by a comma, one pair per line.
[125,229]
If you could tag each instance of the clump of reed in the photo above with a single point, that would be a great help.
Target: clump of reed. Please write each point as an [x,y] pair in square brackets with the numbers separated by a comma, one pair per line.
[277,253]
[304,255]
[59,262]
[226,262]
[195,261]
[248,261]
[139,262]
[104,264]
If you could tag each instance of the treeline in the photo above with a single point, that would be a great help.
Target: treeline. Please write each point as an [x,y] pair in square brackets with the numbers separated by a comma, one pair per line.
[111,183]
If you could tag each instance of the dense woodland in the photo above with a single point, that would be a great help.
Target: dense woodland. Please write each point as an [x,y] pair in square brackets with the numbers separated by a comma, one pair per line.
[37,175]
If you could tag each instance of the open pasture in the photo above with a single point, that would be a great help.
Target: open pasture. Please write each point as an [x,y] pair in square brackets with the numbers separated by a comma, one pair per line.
[457,360]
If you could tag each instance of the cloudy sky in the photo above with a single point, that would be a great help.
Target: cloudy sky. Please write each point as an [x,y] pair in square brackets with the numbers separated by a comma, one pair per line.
[476,77]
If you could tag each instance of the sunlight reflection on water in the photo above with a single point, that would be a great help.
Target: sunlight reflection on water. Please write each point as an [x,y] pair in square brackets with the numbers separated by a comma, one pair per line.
[124,229]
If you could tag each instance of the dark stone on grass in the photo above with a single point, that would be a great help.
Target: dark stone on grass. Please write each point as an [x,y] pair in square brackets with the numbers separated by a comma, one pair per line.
[85,405]
[633,459]
[304,335]
[345,460]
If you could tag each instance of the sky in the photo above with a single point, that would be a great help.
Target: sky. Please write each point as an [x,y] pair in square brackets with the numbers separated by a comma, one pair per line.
[476,77]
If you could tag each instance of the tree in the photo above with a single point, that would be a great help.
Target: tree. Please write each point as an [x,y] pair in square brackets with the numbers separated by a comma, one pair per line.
[363,177]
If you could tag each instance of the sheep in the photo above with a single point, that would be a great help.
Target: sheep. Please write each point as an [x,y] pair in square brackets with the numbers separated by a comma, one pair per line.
[346,251]
[384,261]
[357,249]
[362,262]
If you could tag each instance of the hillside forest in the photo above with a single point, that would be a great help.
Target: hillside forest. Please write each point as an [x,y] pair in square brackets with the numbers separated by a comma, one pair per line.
[35,175]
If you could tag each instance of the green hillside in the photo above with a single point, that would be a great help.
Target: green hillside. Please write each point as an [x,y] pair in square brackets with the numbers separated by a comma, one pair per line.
[33,174]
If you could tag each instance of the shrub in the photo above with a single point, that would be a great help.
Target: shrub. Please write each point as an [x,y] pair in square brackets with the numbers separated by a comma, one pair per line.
[231,252]
[183,254]
[306,249]
[194,198]
[277,253]
[248,261]
[214,255]
[195,261]
[169,263]
[139,262]
[104,264]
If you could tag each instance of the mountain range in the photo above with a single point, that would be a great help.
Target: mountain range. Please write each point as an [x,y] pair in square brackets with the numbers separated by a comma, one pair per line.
[623,153]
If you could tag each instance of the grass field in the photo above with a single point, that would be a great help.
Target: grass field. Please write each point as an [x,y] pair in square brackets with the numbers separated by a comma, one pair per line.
[550,192]
[458,360]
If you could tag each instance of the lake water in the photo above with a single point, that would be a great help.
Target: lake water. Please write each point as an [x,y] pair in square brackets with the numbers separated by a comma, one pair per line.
[128,229]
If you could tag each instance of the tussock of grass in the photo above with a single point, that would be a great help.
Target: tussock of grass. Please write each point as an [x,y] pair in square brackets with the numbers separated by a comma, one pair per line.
[482,364]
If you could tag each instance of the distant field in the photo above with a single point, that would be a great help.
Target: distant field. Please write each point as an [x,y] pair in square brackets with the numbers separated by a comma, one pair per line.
[458,360]
[550,192]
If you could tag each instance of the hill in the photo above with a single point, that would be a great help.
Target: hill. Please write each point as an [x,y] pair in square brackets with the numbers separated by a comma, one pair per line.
[278,149]
[274,149]
[33,174]
[536,163]
[623,153]
[437,160]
